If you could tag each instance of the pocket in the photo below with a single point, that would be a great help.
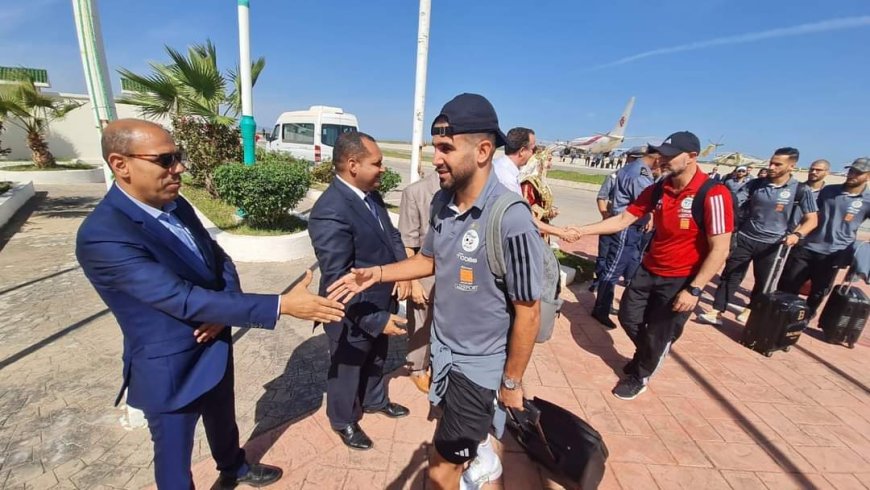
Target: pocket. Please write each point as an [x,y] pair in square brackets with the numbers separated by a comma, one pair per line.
[170,347]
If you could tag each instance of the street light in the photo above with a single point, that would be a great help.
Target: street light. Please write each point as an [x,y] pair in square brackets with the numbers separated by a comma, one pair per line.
[246,124]
[420,88]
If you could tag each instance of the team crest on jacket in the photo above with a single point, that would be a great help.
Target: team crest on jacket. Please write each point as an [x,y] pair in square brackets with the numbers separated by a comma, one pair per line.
[785,194]
[857,203]
[470,241]
[687,203]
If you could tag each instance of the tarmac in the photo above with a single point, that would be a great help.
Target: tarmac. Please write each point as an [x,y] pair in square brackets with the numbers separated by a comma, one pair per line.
[716,415]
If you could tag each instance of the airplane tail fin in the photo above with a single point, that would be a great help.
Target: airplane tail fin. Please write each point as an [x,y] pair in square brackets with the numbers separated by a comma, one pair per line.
[619,129]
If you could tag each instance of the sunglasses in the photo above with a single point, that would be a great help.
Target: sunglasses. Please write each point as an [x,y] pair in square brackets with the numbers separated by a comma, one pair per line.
[165,160]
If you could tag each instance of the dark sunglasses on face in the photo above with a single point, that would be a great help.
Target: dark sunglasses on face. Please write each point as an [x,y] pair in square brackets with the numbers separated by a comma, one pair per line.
[165,160]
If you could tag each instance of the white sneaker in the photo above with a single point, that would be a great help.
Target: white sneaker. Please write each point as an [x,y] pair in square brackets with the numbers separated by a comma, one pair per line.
[710,318]
[485,468]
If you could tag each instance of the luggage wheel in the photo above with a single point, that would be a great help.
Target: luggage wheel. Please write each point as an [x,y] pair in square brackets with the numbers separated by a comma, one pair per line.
[851,345]
[768,354]
[786,349]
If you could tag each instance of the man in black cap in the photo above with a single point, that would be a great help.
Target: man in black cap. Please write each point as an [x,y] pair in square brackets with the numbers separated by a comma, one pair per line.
[842,210]
[690,244]
[480,344]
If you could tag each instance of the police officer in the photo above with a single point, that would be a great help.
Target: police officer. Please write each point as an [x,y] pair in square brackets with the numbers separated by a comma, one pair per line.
[624,252]
[682,258]
[603,200]
[842,210]
[769,204]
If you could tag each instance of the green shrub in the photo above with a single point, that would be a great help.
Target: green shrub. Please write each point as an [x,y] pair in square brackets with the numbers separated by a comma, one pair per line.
[389,181]
[268,156]
[265,191]
[206,146]
[323,172]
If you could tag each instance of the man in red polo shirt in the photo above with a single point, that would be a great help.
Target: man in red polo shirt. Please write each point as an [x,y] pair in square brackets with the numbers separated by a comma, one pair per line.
[682,258]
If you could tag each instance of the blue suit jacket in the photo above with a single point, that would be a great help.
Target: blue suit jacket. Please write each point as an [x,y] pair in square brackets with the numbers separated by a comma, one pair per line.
[345,234]
[159,292]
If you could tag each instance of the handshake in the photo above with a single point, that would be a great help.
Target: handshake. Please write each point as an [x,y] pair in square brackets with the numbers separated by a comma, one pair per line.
[569,233]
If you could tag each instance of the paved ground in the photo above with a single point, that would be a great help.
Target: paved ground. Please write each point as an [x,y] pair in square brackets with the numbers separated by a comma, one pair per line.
[717,415]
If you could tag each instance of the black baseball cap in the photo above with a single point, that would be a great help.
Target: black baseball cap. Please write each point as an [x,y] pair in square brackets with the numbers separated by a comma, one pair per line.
[680,142]
[467,114]
[861,165]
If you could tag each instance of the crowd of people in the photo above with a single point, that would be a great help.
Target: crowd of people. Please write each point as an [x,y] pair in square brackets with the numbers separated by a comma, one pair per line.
[666,229]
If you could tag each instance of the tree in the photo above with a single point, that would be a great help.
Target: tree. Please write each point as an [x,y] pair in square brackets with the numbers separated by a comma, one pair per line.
[24,106]
[191,85]
[202,103]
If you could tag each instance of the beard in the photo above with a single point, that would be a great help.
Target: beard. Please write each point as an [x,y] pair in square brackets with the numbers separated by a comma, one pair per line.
[457,177]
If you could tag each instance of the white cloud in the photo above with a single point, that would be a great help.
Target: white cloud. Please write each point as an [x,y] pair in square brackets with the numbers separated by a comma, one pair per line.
[799,30]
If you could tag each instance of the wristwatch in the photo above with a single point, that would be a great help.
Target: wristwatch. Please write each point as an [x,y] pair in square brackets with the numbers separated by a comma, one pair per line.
[511,384]
[694,291]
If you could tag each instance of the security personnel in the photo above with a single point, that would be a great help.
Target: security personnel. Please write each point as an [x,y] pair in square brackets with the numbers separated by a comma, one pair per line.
[682,258]
[769,205]
[603,200]
[842,210]
[624,252]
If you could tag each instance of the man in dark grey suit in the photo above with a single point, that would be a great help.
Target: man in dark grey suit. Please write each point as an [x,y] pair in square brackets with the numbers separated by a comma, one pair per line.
[350,228]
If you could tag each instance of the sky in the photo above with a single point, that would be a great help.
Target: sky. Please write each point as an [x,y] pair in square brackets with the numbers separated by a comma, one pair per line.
[753,75]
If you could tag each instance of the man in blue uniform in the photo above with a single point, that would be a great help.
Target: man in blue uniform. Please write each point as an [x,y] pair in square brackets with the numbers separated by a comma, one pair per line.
[624,253]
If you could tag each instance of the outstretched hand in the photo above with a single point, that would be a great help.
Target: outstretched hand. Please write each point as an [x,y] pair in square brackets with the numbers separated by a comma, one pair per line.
[355,281]
[303,304]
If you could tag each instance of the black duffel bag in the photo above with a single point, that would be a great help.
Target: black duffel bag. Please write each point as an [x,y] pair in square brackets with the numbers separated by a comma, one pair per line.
[560,441]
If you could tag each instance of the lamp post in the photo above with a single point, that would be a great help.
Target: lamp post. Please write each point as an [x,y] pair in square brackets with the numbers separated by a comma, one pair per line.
[246,124]
[94,63]
[420,88]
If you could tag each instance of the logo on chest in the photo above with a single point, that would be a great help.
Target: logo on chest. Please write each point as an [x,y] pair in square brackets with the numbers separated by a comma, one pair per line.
[470,241]
[685,212]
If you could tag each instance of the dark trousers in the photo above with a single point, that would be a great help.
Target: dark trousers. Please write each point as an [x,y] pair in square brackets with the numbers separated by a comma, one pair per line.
[172,434]
[647,316]
[605,242]
[820,269]
[622,256]
[745,250]
[632,268]
[356,379]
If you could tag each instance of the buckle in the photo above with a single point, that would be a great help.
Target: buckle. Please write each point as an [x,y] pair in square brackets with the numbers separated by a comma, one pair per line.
[442,131]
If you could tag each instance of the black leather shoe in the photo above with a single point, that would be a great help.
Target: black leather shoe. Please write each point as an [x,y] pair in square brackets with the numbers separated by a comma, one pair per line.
[353,437]
[604,320]
[258,475]
[392,410]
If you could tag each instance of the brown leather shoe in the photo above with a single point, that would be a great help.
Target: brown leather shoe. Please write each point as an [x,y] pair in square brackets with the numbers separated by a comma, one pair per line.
[422,381]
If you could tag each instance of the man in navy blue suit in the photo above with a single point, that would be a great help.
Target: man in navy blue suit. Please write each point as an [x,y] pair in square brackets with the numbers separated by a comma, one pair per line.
[350,228]
[173,290]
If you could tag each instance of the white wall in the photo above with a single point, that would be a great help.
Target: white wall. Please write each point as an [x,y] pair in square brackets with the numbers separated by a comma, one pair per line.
[74,137]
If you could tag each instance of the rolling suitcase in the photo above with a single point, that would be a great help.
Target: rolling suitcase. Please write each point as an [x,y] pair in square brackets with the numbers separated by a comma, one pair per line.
[776,319]
[561,441]
[845,314]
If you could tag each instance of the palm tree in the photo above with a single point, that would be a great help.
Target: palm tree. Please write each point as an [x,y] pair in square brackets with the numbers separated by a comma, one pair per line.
[191,85]
[24,106]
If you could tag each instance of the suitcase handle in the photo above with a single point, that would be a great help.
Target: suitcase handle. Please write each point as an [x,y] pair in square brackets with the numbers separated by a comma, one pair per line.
[776,270]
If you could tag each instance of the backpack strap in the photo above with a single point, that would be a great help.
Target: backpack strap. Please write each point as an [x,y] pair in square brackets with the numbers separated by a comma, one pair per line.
[494,244]
[699,203]
[657,193]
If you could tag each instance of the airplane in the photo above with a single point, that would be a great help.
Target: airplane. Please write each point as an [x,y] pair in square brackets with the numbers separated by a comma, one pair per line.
[599,143]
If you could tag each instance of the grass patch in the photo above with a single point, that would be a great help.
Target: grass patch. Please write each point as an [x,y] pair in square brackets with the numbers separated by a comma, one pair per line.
[573,176]
[585,268]
[29,167]
[5,186]
[224,215]
[406,155]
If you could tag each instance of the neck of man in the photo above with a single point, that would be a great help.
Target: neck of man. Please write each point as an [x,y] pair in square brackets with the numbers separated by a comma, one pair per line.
[345,176]
[855,189]
[466,196]
[516,159]
[781,179]
[135,195]
[679,182]
[816,185]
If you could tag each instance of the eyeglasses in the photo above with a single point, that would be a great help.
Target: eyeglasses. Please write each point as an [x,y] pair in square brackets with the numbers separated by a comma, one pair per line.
[165,160]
